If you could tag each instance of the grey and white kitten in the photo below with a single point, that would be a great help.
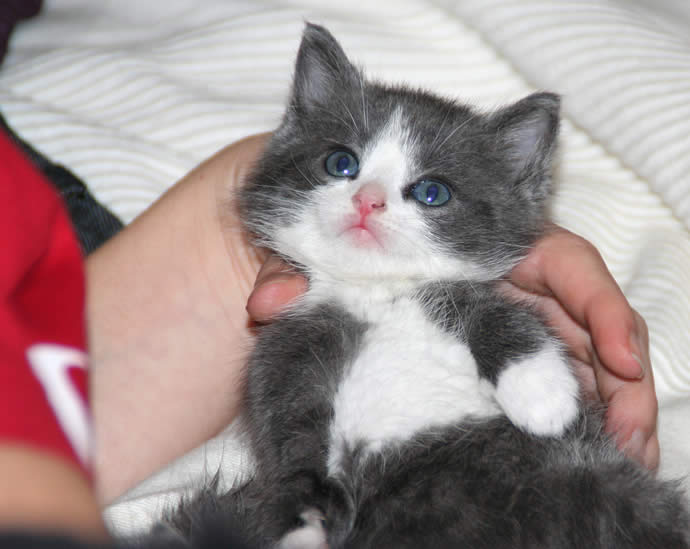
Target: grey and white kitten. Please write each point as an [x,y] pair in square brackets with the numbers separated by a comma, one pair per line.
[404,401]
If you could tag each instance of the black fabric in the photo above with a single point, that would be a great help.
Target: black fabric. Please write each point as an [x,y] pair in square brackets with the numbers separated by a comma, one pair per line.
[94,224]
[12,11]
[25,540]
[214,538]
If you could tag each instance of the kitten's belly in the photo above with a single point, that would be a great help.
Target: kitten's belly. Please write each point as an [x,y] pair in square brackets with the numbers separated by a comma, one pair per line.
[409,377]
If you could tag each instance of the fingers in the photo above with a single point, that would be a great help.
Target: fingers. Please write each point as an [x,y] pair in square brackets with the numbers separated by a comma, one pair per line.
[277,285]
[571,270]
[632,407]
[631,416]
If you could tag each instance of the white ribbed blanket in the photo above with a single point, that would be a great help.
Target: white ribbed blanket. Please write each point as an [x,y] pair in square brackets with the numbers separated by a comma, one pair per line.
[131,95]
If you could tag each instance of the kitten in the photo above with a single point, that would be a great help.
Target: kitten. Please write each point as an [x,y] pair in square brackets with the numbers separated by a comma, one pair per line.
[404,401]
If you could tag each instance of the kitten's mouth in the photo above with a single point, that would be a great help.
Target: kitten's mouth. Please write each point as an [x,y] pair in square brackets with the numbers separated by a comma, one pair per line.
[362,235]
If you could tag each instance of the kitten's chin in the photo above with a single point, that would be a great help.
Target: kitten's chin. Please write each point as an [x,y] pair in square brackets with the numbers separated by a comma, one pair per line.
[361,237]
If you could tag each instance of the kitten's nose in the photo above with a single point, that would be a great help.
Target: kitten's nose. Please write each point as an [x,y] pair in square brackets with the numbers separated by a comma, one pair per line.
[371,197]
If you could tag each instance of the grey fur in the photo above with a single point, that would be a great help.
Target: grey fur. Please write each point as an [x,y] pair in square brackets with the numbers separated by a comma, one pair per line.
[496,329]
[479,483]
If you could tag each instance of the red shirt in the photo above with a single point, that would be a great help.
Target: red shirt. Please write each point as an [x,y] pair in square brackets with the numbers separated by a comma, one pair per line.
[43,376]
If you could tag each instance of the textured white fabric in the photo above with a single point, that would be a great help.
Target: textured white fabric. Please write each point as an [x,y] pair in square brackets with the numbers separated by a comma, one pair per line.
[131,95]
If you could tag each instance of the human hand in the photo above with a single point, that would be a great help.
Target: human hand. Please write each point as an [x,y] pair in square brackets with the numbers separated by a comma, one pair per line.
[566,278]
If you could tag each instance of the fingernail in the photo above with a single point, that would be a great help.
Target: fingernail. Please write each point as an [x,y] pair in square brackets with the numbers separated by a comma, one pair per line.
[640,364]
[635,447]
[277,277]
[635,352]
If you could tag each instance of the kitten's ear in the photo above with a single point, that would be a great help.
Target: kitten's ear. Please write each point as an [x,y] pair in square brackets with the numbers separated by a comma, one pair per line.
[322,69]
[527,133]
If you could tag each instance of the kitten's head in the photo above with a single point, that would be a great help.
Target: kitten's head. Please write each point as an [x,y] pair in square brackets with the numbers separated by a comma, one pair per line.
[366,181]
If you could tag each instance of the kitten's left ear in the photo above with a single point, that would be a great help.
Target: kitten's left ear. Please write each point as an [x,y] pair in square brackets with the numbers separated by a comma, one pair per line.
[322,70]
[526,134]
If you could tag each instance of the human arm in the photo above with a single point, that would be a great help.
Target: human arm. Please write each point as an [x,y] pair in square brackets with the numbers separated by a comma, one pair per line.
[168,331]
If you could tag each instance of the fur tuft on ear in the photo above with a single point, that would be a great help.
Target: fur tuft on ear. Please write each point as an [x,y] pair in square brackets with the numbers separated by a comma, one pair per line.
[527,133]
[322,69]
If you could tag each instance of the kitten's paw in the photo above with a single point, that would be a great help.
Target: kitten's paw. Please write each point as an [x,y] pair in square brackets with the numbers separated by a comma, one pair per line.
[539,393]
[311,535]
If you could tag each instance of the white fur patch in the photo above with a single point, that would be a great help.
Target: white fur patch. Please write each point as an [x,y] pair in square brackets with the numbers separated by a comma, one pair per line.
[539,393]
[310,536]
[408,377]
[388,158]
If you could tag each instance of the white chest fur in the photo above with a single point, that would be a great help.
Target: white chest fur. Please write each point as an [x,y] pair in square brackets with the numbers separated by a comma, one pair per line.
[408,377]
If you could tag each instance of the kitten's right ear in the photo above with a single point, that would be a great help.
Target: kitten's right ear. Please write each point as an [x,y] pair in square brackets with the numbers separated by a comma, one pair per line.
[322,69]
[526,134]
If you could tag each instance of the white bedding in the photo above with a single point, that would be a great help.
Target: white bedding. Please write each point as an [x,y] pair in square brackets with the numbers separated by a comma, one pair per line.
[131,95]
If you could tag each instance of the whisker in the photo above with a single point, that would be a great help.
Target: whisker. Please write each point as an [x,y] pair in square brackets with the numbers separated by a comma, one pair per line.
[441,126]
[454,131]
[353,129]
[365,114]
[349,112]
[306,178]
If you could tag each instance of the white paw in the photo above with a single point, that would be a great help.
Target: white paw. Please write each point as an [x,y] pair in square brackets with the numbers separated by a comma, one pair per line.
[539,393]
[310,536]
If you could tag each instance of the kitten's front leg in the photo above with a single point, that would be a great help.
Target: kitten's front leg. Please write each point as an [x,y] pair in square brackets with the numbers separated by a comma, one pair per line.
[539,392]
[534,383]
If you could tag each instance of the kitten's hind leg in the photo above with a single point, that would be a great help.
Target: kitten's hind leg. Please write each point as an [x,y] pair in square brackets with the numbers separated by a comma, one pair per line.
[319,509]
[301,510]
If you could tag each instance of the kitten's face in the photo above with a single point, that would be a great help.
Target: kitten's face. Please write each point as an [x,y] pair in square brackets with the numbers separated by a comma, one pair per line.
[367,182]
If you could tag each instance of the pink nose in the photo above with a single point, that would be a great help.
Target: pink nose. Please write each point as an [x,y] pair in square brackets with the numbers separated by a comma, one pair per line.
[369,198]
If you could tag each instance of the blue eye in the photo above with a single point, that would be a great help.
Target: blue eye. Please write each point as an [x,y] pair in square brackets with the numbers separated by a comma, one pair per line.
[342,164]
[430,192]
